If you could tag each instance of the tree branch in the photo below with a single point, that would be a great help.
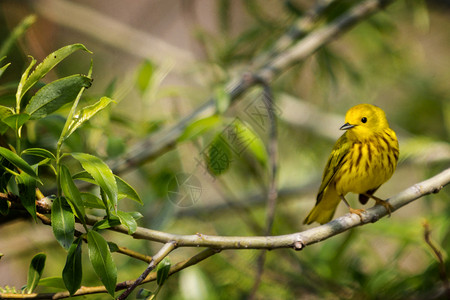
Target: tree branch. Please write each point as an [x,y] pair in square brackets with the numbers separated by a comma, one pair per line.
[295,240]
[272,194]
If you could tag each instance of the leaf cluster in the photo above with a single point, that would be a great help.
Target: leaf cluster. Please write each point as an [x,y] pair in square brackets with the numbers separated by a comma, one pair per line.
[35,102]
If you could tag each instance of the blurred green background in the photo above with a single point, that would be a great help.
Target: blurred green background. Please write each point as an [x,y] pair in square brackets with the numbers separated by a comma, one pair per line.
[161,60]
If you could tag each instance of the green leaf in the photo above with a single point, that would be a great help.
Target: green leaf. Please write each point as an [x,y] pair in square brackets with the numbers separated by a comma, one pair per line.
[18,162]
[126,191]
[39,152]
[252,141]
[113,247]
[106,223]
[5,175]
[48,63]
[87,113]
[92,201]
[52,282]
[218,156]
[72,193]
[102,261]
[18,31]
[85,176]
[3,69]
[101,173]
[144,294]
[56,94]
[35,271]
[128,221]
[23,79]
[136,215]
[162,271]
[222,99]
[73,271]
[123,188]
[16,121]
[63,222]
[27,192]
[145,75]
[199,127]
[4,113]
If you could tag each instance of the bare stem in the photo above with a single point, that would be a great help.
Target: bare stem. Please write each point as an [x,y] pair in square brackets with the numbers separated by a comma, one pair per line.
[439,257]
[163,252]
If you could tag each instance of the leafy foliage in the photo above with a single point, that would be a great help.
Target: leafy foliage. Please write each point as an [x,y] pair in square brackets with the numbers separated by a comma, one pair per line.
[70,202]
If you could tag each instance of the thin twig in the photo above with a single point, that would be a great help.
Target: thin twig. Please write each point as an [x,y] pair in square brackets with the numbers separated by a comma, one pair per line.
[273,159]
[301,27]
[439,257]
[134,254]
[272,194]
[163,252]
[186,263]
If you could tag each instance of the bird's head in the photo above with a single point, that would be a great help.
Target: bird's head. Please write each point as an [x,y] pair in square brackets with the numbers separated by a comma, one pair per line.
[364,120]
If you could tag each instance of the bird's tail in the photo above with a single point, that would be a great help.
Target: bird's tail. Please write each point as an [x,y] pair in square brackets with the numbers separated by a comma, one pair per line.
[324,210]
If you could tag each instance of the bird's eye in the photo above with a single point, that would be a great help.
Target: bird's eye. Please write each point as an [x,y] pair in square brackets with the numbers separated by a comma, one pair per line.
[364,120]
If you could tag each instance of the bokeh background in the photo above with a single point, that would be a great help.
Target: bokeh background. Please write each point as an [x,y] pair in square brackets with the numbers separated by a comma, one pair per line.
[161,60]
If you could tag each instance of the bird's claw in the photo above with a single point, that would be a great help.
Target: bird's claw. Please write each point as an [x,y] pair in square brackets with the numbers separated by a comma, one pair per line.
[358,212]
[385,204]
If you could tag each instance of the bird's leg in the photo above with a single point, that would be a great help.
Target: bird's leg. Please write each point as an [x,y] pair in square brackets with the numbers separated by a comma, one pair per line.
[352,210]
[382,202]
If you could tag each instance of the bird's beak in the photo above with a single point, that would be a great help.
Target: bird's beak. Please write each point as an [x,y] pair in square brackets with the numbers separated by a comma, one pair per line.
[346,126]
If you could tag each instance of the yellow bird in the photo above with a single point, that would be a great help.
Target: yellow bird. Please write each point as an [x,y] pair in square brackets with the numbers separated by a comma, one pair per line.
[362,159]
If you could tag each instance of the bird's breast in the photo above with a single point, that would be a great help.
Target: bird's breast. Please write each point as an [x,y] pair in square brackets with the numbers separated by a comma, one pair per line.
[367,165]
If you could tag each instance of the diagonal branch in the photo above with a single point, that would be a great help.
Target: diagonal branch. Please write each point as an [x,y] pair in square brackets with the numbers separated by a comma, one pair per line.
[163,252]
[166,139]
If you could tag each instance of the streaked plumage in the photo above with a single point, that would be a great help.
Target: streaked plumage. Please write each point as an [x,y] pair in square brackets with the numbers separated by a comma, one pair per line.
[362,159]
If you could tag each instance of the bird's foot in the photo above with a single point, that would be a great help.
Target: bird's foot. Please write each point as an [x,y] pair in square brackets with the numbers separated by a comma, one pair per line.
[358,212]
[383,203]
[386,205]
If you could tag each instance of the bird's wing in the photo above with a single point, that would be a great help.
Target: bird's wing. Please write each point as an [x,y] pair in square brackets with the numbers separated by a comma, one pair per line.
[335,162]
